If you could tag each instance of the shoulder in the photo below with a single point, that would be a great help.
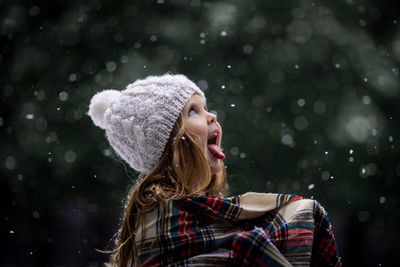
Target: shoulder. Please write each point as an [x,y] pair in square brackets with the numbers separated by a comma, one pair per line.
[305,210]
[311,205]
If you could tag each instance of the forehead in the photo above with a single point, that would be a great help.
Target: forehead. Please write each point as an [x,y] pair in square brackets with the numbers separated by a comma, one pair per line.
[196,98]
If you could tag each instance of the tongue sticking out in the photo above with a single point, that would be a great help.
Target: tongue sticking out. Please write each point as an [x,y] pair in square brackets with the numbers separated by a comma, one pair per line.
[216,151]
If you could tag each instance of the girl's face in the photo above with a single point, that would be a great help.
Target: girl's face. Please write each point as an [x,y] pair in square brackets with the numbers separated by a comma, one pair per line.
[199,121]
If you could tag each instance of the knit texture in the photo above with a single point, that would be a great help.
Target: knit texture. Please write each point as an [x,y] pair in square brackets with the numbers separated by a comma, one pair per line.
[138,121]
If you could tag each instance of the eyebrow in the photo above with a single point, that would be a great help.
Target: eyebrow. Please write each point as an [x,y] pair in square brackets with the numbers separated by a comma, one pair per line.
[198,103]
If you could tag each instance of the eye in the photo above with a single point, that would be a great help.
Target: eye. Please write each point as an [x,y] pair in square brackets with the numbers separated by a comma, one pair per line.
[192,111]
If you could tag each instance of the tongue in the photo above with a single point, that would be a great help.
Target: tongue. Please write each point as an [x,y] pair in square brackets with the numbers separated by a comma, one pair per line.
[216,151]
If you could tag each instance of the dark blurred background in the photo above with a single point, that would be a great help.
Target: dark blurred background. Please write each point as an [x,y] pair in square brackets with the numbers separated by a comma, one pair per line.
[307,93]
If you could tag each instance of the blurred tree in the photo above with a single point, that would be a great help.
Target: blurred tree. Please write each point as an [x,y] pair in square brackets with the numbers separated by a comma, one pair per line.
[306,92]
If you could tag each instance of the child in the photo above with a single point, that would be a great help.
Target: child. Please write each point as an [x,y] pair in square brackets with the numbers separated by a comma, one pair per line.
[176,214]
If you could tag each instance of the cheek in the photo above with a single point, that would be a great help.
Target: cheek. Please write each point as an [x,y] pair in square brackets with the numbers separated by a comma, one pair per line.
[200,130]
[203,136]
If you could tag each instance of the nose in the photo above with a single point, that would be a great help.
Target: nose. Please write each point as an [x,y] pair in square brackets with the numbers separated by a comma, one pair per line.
[211,118]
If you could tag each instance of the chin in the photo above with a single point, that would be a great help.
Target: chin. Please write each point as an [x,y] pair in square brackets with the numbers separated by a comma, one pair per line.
[215,167]
[215,164]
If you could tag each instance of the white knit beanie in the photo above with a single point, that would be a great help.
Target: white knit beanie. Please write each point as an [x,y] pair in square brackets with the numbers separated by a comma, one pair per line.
[138,121]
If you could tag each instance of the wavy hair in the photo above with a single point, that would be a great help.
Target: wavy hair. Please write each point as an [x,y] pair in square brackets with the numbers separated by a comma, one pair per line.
[182,171]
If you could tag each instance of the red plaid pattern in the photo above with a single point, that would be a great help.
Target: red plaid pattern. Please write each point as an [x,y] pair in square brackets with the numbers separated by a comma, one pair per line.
[248,230]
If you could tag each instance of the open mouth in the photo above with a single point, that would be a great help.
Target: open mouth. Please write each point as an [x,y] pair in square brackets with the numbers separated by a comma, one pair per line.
[214,149]
[212,140]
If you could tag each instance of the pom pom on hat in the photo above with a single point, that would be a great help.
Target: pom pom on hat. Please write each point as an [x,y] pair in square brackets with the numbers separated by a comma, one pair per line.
[99,104]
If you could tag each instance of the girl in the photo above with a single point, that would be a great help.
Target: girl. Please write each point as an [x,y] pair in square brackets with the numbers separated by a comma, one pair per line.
[176,214]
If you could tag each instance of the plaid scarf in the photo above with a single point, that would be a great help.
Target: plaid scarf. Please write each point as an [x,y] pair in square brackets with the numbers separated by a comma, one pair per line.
[253,229]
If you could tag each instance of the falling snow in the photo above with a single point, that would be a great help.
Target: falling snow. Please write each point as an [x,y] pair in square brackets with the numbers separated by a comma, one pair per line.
[306,98]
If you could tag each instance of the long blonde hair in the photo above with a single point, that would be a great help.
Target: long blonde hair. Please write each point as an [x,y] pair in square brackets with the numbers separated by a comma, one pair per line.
[182,171]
